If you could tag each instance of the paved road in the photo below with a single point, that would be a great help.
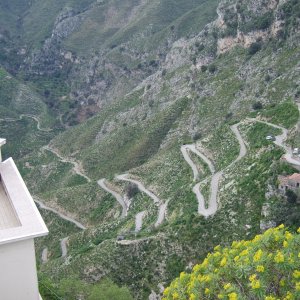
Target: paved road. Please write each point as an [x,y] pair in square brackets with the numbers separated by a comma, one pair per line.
[118,197]
[162,212]
[162,206]
[76,166]
[141,187]
[192,147]
[280,141]
[45,255]
[216,177]
[63,246]
[139,221]
[65,217]
[28,116]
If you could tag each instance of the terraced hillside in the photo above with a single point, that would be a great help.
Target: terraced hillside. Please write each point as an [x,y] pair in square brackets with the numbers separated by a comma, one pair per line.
[177,161]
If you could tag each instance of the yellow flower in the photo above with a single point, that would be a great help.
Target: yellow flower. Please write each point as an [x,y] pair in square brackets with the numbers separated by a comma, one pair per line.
[270,298]
[167,291]
[207,291]
[257,238]
[257,256]
[288,235]
[296,274]
[197,268]
[282,282]
[281,226]
[279,258]
[232,296]
[255,284]
[252,277]
[260,268]
[289,296]
[182,276]
[205,278]
[192,297]
[205,263]
[175,296]
[244,252]
[217,248]
[285,244]
[298,230]
[220,296]
[236,258]
[227,286]
[223,262]
[297,286]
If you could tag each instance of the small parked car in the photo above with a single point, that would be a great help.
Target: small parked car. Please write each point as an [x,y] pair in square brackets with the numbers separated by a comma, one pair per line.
[270,138]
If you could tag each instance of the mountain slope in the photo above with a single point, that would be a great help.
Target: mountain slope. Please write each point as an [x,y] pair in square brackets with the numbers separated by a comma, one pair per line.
[240,69]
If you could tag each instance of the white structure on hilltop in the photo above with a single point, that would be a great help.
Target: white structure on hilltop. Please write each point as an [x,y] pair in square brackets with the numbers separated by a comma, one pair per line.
[20,223]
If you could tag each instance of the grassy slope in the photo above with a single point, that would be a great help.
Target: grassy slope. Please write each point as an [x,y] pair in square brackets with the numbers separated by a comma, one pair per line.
[229,90]
[133,28]
[187,235]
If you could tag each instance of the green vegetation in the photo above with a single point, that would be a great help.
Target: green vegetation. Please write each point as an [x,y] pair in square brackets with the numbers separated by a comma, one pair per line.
[266,267]
[262,22]
[285,114]
[72,288]
[258,132]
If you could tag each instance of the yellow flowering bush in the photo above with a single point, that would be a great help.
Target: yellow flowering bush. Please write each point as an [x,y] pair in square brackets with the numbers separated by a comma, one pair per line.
[265,268]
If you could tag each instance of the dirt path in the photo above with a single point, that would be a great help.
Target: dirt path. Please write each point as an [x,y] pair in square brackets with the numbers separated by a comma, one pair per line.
[28,116]
[216,177]
[62,216]
[63,246]
[76,166]
[118,197]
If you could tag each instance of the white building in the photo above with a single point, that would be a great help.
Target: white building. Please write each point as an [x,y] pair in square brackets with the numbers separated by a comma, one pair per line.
[20,223]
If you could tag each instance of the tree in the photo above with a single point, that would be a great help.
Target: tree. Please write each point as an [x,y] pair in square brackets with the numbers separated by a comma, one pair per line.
[257,105]
[291,196]
[131,190]
[254,47]
[109,290]
[72,288]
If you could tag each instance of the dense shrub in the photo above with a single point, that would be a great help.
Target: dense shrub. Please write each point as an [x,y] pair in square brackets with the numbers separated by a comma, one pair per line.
[254,47]
[267,267]
[257,105]
[131,190]
[212,68]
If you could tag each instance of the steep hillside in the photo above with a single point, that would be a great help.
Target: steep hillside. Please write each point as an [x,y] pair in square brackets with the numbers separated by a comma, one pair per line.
[175,159]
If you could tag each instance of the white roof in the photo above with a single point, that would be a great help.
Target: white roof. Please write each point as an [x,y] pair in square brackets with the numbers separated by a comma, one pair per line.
[2,142]
[19,216]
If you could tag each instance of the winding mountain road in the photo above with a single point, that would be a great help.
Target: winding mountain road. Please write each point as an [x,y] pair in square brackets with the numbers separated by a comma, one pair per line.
[118,197]
[28,116]
[280,141]
[76,166]
[192,147]
[162,206]
[59,214]
[216,177]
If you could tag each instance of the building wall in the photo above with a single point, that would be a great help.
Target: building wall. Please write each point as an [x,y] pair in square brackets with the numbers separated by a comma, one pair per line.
[18,278]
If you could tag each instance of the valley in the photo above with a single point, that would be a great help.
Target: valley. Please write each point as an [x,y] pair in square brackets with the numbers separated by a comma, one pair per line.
[149,132]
